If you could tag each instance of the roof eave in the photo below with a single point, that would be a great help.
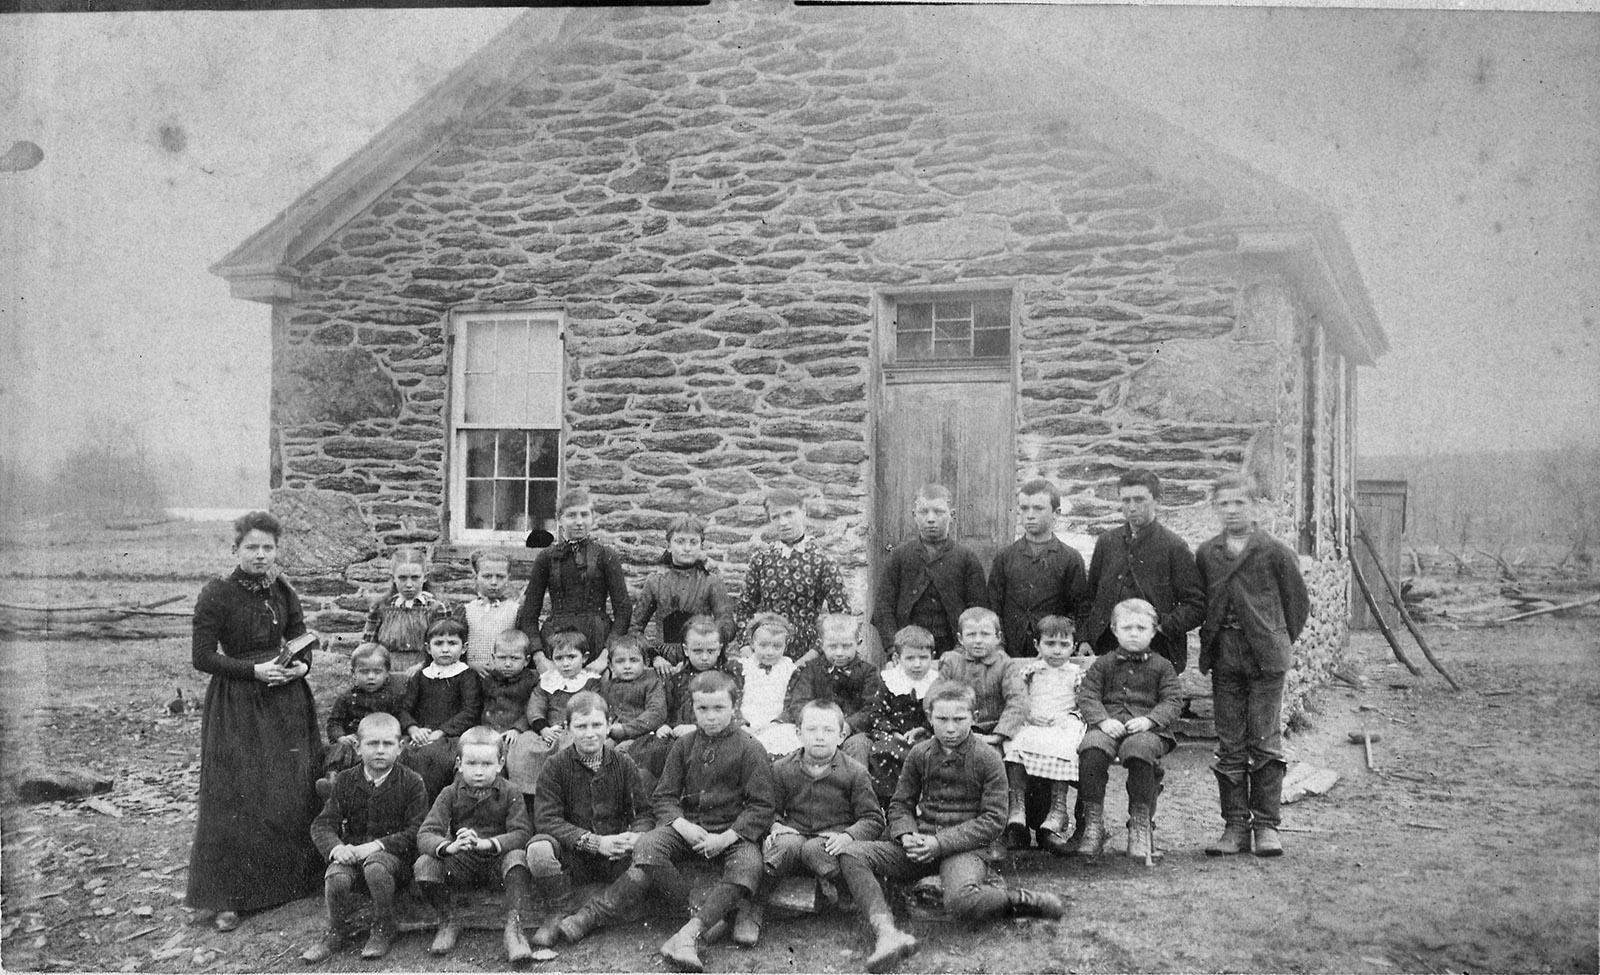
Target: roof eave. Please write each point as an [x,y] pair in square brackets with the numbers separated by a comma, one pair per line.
[1318,258]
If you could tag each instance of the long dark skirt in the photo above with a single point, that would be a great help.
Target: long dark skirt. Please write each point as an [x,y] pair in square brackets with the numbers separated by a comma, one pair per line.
[259,761]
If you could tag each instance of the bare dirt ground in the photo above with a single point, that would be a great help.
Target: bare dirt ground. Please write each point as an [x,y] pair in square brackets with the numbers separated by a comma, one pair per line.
[1474,846]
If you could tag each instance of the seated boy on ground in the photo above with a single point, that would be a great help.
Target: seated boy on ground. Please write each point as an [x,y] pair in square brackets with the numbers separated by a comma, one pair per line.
[475,831]
[714,801]
[947,811]
[825,804]
[367,832]
[589,812]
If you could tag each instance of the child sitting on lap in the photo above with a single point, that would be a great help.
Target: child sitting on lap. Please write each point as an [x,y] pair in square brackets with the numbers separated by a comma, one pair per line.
[367,832]
[1047,746]
[475,831]
[507,686]
[684,587]
[547,707]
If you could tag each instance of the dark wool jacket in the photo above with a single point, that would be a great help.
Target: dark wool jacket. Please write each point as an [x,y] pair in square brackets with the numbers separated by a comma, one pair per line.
[1265,593]
[1025,588]
[353,704]
[855,687]
[546,708]
[1002,695]
[953,571]
[639,704]
[1156,566]
[497,814]
[1122,687]
[571,800]
[505,701]
[841,801]
[679,593]
[958,796]
[680,703]
[448,704]
[357,813]
[580,579]
[718,783]
[235,628]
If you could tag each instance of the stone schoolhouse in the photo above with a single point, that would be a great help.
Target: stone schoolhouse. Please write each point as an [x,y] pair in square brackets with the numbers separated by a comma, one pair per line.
[681,255]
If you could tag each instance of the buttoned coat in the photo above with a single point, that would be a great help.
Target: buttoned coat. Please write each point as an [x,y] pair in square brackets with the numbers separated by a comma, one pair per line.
[1158,565]
[951,569]
[1265,591]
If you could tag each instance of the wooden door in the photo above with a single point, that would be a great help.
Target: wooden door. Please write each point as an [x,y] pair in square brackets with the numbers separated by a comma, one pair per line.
[1382,508]
[958,434]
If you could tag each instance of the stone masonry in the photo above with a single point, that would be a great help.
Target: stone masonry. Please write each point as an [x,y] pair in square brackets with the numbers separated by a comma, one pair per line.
[714,194]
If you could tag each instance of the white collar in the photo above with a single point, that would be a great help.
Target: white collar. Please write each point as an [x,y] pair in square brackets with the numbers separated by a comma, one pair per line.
[422,598]
[436,672]
[551,681]
[786,550]
[380,780]
[897,682]
[784,667]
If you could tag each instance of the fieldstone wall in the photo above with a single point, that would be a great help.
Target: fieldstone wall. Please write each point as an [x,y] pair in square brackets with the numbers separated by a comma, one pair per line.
[714,194]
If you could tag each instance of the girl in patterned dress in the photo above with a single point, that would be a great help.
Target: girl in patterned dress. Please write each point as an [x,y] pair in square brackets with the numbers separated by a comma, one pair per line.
[399,621]
[898,718]
[1047,747]
[791,577]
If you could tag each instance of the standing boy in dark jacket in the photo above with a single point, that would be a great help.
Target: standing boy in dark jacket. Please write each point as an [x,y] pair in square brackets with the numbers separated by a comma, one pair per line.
[929,580]
[1256,606]
[367,831]
[1143,559]
[1037,575]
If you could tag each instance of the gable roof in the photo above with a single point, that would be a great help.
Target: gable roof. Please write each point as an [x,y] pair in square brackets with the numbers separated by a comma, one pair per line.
[996,58]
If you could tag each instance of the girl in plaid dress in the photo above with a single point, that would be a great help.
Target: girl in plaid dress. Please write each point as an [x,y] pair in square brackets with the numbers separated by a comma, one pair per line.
[1047,747]
[898,718]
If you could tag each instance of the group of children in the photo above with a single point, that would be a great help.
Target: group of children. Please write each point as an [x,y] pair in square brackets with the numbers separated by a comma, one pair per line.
[567,754]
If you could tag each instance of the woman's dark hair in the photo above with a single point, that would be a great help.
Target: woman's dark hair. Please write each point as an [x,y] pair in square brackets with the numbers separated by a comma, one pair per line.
[256,521]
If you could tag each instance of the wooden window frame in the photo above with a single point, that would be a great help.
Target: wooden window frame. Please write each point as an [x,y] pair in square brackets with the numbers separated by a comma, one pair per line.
[460,317]
[985,369]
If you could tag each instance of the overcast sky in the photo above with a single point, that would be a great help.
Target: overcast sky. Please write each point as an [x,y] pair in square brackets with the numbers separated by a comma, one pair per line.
[1461,152]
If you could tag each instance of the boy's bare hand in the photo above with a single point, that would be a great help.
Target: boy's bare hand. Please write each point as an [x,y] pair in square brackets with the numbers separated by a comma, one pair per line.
[715,843]
[663,666]
[919,847]
[551,735]
[615,847]
[836,843]
[419,734]
[344,853]
[1113,728]
[350,740]
[508,736]
[1139,724]
[679,731]
[693,833]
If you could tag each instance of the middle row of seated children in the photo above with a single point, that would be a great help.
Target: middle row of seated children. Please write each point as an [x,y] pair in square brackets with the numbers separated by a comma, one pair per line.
[1028,709]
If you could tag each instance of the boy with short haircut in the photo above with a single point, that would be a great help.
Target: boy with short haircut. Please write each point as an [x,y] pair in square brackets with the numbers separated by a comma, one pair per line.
[581,574]
[490,613]
[928,581]
[791,577]
[947,811]
[590,810]
[507,686]
[1001,706]
[367,832]
[1256,607]
[636,699]
[1037,575]
[839,675]
[824,804]
[702,651]
[685,586]
[374,689]
[476,829]
[1130,700]
[714,800]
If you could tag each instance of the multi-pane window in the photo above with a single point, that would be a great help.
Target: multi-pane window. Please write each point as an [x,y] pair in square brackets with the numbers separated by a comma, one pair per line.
[946,327]
[506,421]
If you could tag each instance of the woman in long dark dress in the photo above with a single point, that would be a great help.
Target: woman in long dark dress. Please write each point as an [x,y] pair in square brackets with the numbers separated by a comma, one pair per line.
[259,749]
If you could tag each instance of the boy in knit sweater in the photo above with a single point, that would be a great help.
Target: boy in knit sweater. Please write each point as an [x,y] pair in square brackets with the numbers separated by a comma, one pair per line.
[947,811]
[590,810]
[714,801]
[476,829]
[367,831]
